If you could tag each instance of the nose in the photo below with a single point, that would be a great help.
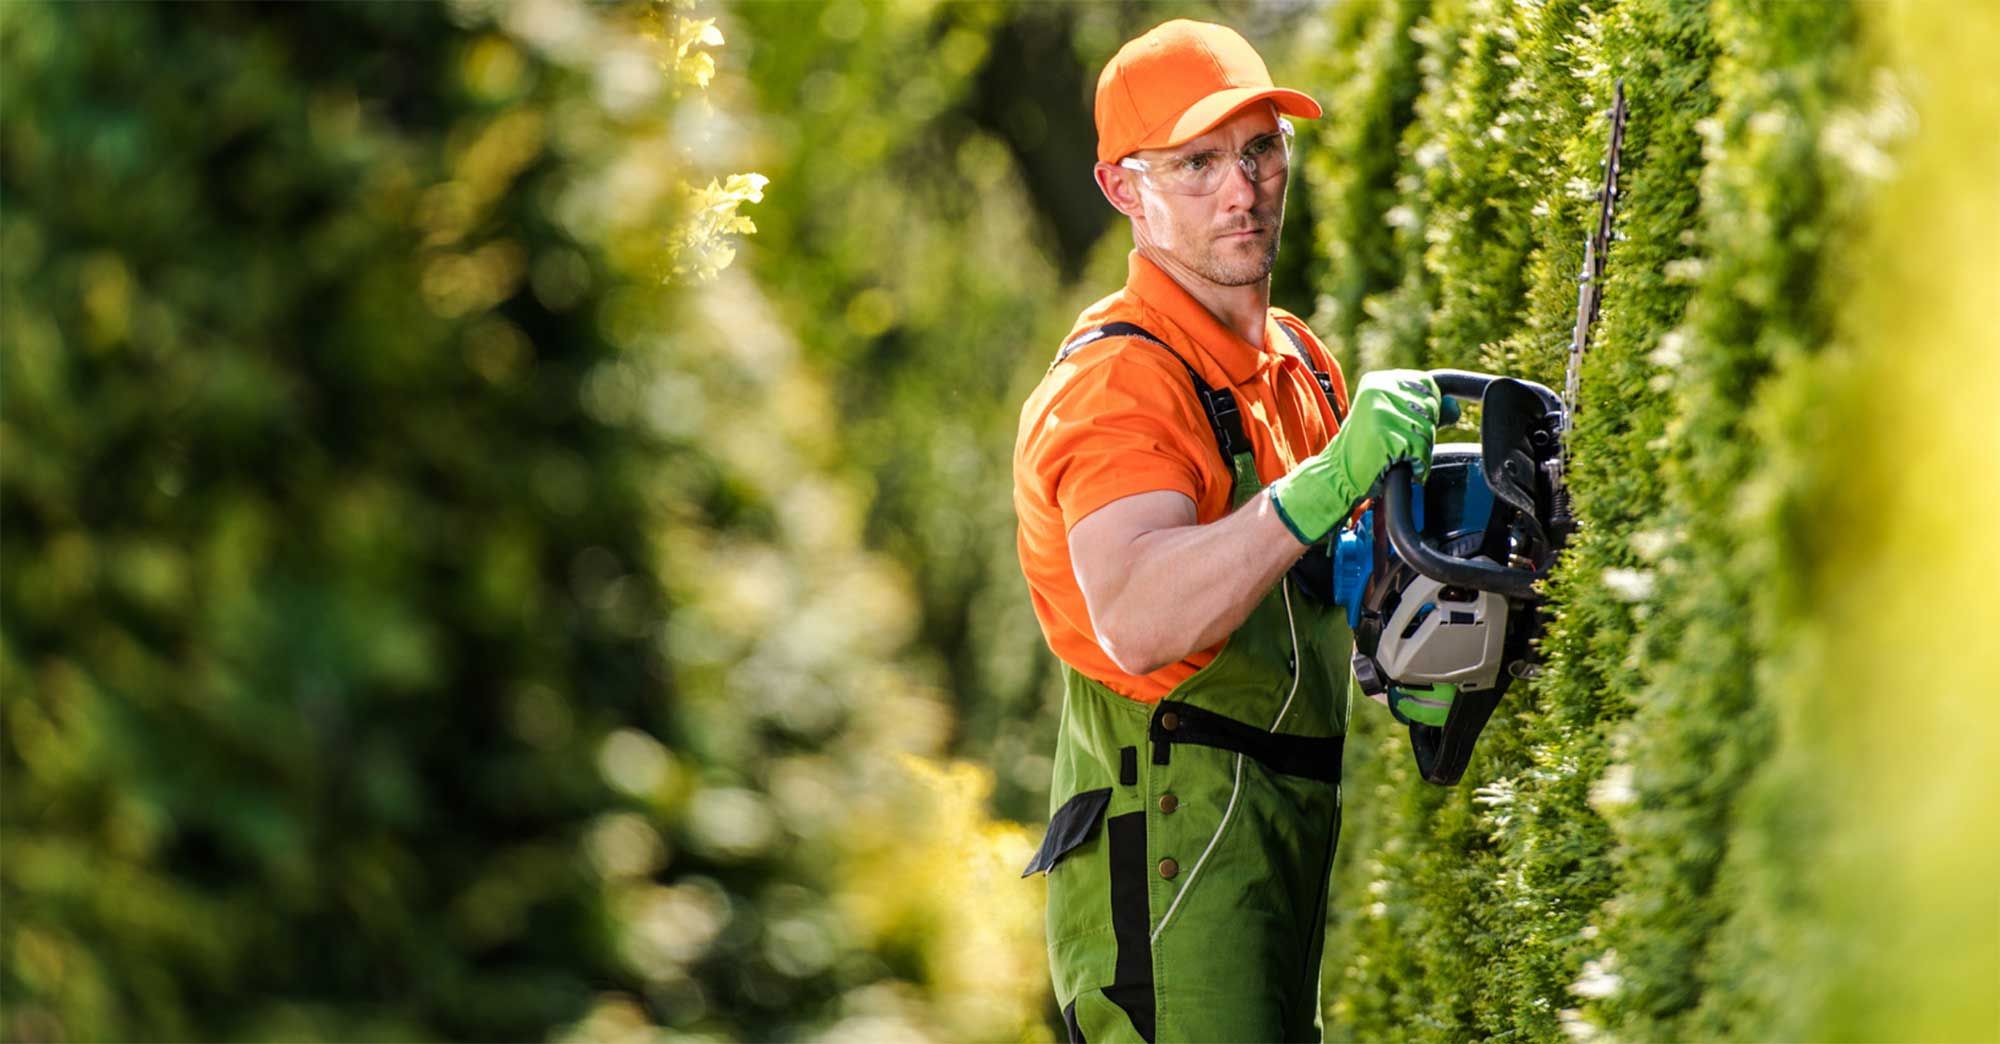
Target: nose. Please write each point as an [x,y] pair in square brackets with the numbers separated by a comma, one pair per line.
[1239,189]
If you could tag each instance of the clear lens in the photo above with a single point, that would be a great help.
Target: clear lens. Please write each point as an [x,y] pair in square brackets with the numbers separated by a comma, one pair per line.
[1200,173]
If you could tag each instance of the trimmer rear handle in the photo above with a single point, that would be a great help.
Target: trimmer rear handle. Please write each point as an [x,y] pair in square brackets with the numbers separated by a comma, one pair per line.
[1398,515]
[1466,384]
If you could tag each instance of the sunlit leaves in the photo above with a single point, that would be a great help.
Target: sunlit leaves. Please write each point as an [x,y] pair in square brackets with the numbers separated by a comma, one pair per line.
[701,246]
[680,40]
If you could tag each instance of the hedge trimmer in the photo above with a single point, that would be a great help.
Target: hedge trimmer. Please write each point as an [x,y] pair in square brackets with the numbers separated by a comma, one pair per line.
[1439,579]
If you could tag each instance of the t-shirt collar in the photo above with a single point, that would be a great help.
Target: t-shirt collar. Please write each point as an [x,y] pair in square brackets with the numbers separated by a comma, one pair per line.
[1228,351]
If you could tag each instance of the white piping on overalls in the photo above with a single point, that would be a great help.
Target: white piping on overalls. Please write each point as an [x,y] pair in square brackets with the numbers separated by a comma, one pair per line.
[1292,628]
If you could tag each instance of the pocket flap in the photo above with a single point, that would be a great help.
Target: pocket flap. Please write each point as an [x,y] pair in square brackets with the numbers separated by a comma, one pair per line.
[1071,826]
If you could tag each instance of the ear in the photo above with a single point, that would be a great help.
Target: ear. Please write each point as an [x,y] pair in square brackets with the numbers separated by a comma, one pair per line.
[1120,188]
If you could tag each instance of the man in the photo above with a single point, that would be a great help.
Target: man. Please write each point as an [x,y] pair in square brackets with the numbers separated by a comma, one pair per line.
[1185,450]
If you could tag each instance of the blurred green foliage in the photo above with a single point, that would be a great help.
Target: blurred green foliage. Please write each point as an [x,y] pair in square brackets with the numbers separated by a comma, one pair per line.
[907,262]
[335,705]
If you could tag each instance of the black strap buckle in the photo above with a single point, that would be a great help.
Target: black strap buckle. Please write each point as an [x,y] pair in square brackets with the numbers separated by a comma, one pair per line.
[1325,379]
[1309,757]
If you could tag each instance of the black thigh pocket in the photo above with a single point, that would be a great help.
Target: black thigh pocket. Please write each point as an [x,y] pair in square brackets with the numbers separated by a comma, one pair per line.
[1072,825]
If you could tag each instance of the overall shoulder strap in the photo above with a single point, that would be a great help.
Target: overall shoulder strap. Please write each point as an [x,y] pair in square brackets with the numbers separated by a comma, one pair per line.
[1223,418]
[1325,379]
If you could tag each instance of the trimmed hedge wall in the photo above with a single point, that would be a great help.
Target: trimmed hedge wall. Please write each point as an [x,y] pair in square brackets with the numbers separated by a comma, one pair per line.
[1621,856]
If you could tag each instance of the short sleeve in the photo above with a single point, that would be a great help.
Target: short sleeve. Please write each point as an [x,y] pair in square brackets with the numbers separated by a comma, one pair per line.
[1121,423]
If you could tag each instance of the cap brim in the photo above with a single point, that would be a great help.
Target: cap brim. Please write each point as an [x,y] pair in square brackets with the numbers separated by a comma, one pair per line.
[1204,115]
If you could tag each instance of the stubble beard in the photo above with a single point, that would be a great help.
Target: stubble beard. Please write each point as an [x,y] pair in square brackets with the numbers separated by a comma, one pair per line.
[1217,267]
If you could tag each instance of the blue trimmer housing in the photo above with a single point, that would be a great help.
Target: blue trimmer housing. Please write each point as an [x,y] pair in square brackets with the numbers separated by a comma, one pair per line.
[1438,579]
[1456,495]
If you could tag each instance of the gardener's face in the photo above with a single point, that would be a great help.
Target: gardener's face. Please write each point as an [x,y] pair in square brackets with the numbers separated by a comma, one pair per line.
[1227,236]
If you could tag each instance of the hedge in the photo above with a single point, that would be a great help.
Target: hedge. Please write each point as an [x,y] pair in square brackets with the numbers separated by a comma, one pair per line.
[1632,852]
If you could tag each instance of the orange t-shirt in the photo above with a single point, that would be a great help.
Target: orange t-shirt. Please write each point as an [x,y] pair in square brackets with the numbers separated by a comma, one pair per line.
[1120,417]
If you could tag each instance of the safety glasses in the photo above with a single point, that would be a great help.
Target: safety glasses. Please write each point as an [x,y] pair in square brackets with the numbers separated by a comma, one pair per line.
[1200,173]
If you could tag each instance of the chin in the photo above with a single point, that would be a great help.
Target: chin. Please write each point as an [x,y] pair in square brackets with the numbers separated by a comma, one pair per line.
[1242,272]
[1239,277]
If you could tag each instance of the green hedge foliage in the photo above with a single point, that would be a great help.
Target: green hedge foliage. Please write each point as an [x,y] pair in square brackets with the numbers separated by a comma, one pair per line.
[1369,65]
[1621,857]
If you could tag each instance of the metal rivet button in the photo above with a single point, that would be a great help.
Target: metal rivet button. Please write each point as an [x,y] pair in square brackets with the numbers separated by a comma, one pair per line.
[1168,868]
[1168,802]
[1170,721]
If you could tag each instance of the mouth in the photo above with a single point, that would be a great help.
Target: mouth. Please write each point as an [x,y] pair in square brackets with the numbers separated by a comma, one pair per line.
[1242,233]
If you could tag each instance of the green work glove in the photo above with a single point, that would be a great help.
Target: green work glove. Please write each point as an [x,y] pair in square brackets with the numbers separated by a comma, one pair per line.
[1421,704]
[1394,418]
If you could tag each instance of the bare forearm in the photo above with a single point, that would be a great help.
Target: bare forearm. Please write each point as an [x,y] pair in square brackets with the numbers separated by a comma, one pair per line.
[1186,588]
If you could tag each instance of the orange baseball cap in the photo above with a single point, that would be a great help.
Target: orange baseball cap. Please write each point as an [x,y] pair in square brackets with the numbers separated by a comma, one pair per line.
[1176,82]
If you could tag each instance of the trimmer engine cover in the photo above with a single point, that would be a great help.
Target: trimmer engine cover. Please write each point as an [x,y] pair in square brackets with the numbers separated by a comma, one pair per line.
[1443,626]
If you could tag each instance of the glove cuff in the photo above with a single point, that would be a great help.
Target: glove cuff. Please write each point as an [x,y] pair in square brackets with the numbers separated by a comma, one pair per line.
[1313,498]
[1286,517]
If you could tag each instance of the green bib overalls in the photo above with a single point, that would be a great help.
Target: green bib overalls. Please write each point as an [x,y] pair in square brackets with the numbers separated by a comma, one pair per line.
[1190,841]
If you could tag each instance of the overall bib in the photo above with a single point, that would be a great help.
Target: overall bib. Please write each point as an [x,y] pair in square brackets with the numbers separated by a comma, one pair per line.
[1191,841]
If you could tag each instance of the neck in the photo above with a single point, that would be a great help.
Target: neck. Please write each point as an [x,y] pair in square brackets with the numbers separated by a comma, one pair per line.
[1242,309]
